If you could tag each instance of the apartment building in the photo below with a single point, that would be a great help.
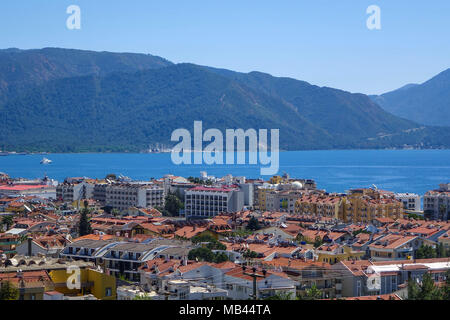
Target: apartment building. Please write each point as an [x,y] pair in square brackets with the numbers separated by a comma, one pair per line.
[365,205]
[122,196]
[8,244]
[203,201]
[125,258]
[74,190]
[436,203]
[282,201]
[411,201]
[118,195]
[368,278]
[394,247]
[281,194]
[319,205]
[307,274]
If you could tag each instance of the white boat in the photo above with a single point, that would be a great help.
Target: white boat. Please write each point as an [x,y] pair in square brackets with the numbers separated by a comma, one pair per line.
[46,161]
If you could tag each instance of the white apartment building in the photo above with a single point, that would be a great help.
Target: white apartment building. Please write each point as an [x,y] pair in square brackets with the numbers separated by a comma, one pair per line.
[436,203]
[123,196]
[205,201]
[74,191]
[411,201]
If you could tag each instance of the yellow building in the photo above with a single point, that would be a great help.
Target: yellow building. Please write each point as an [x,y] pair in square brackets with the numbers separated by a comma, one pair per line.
[360,205]
[334,253]
[101,285]
[319,205]
[364,205]
[276,180]
[262,197]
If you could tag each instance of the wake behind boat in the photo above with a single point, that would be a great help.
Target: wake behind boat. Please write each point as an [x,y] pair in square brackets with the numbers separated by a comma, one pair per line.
[46,161]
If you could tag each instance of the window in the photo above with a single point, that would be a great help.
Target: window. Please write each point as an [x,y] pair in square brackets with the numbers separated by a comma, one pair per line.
[394,283]
[108,292]
[358,288]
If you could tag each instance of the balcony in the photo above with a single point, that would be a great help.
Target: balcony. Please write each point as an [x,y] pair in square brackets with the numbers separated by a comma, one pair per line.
[10,243]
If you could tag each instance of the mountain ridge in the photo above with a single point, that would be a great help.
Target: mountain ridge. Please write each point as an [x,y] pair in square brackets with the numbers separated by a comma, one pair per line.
[144,98]
[427,103]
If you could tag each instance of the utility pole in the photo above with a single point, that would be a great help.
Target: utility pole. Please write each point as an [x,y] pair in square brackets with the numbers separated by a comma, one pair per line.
[254,275]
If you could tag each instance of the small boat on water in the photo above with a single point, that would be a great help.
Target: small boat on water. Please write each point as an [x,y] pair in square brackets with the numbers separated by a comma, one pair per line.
[46,161]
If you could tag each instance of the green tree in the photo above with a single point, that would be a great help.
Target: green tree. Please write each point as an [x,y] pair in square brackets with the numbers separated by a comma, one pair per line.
[250,254]
[312,293]
[115,212]
[253,224]
[173,204]
[413,289]
[300,238]
[318,242]
[201,254]
[213,244]
[206,254]
[84,226]
[220,257]
[441,252]
[446,289]
[426,252]
[9,221]
[280,296]
[426,290]
[8,291]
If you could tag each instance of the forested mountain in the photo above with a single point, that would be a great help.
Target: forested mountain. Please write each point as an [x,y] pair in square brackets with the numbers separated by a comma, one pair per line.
[427,103]
[61,100]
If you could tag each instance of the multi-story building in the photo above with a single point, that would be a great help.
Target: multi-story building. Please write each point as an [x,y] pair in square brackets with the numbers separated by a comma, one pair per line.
[364,277]
[118,195]
[282,200]
[307,274]
[318,205]
[282,196]
[125,258]
[123,196]
[436,203]
[74,190]
[394,247]
[365,205]
[8,244]
[411,201]
[99,193]
[206,201]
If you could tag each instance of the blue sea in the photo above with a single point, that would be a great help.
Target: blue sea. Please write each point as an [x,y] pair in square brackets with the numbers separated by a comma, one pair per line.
[335,171]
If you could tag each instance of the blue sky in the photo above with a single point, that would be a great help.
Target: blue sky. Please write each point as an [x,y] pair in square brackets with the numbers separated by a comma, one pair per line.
[324,42]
